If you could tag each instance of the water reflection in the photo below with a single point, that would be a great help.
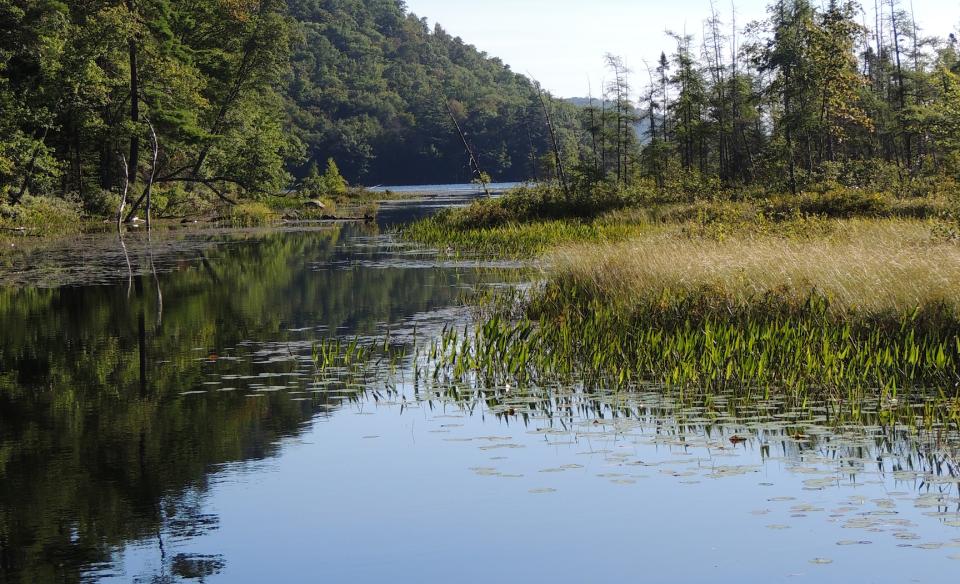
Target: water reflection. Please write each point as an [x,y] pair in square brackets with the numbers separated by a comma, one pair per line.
[99,445]
[168,423]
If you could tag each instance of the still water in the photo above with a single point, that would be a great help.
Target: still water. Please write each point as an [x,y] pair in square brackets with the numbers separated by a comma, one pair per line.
[166,422]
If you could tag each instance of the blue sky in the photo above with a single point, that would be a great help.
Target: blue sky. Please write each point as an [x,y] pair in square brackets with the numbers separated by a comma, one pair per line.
[562,42]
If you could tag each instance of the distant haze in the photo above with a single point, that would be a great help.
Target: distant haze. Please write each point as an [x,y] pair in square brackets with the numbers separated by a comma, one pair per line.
[562,42]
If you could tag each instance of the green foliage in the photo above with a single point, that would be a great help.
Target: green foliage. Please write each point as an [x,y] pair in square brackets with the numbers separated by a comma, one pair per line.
[371,88]
[541,202]
[842,203]
[41,215]
[695,344]
[330,184]
[253,214]
[209,80]
[241,94]
[514,239]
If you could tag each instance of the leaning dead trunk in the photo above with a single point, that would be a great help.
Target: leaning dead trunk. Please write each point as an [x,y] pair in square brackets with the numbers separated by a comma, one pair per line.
[557,156]
[474,164]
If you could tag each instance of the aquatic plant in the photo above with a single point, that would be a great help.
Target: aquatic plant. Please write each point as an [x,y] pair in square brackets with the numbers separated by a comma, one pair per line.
[806,355]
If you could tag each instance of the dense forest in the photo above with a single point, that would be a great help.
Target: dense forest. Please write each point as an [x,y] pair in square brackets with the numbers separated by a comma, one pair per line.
[238,98]
[371,85]
[811,97]
[207,100]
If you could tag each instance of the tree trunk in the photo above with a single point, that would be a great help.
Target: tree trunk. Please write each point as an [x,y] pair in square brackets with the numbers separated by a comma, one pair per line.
[123,195]
[558,158]
[474,164]
[155,144]
[134,158]
[902,92]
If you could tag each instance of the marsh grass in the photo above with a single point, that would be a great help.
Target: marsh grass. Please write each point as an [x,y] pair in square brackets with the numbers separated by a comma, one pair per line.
[515,239]
[841,296]
[862,269]
[866,313]
[532,219]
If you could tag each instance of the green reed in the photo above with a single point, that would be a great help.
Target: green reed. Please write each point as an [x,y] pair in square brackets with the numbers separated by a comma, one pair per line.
[354,355]
[804,352]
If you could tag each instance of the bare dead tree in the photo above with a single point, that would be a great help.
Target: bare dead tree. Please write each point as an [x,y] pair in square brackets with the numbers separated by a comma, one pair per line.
[153,170]
[123,203]
[123,195]
[474,164]
[152,178]
[558,158]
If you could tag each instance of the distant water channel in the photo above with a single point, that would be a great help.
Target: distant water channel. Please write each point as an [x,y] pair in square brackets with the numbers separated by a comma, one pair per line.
[166,423]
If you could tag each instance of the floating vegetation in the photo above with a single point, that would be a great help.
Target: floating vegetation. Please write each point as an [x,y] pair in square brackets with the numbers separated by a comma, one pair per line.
[903,369]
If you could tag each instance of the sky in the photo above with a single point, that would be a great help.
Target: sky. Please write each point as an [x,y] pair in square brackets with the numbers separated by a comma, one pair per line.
[562,42]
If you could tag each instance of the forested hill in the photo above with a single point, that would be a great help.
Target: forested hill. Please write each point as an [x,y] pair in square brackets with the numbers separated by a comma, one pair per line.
[370,87]
[239,98]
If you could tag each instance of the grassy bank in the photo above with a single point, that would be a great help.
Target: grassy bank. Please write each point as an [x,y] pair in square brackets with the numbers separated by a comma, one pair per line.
[534,219]
[45,217]
[871,305]
[859,300]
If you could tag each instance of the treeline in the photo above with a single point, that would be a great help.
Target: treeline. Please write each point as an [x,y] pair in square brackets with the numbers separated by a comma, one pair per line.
[810,96]
[371,85]
[208,99]
[87,89]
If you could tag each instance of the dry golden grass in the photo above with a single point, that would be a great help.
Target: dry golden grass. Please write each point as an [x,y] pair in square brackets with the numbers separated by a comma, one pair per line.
[863,267]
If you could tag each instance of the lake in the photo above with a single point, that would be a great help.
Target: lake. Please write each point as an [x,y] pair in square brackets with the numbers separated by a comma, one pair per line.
[163,419]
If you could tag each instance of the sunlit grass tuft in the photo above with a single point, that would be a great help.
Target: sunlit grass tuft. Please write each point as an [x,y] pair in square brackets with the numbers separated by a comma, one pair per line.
[862,268]
[515,239]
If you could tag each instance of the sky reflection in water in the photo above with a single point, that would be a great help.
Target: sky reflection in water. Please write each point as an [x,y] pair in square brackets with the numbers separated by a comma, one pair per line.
[220,457]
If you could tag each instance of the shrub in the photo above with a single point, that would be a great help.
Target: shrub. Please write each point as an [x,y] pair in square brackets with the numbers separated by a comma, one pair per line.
[329,184]
[838,203]
[541,202]
[250,215]
[102,203]
[41,214]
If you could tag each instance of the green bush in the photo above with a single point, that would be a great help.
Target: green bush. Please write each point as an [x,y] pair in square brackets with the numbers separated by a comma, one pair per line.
[541,202]
[839,203]
[250,215]
[327,185]
[101,203]
[42,214]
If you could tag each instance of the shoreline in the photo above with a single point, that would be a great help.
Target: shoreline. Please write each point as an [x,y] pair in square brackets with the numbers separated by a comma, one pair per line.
[716,296]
